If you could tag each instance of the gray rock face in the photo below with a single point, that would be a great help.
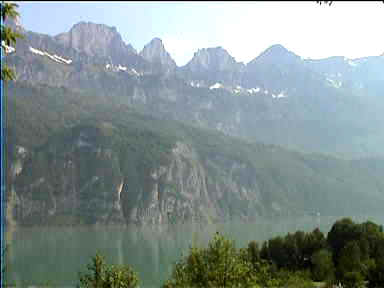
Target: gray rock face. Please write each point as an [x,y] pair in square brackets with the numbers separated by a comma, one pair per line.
[102,45]
[155,52]
[95,40]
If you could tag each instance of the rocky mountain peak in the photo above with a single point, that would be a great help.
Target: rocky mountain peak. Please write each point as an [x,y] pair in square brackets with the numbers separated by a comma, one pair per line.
[213,59]
[155,43]
[94,40]
[277,48]
[278,51]
[276,54]
[155,52]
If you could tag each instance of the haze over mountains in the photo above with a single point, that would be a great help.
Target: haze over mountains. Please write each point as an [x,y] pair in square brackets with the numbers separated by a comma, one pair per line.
[86,82]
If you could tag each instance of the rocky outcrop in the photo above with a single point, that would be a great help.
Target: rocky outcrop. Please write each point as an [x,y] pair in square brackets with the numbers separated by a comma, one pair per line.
[185,190]
[155,53]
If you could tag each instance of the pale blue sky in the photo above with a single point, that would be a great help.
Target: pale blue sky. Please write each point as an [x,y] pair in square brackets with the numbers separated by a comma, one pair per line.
[245,29]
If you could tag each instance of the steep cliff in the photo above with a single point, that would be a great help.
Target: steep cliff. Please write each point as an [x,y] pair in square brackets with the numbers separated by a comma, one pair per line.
[82,177]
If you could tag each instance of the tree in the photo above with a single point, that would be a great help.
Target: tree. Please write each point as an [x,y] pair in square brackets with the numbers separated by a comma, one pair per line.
[323,268]
[376,272]
[342,231]
[376,275]
[218,265]
[254,252]
[102,275]
[294,251]
[349,268]
[276,252]
[8,37]
[297,279]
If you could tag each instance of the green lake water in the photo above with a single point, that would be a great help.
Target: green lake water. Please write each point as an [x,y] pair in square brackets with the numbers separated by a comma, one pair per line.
[55,255]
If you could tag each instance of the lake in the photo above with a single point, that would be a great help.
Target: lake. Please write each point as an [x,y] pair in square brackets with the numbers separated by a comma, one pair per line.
[55,255]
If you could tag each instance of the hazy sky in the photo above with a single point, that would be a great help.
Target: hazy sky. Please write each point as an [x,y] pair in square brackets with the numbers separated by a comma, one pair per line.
[244,29]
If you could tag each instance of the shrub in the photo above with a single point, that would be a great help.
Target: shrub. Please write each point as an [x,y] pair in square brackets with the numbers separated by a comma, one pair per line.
[219,265]
[102,275]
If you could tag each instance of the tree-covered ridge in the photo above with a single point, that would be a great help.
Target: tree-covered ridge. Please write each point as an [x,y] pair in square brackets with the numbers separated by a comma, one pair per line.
[124,146]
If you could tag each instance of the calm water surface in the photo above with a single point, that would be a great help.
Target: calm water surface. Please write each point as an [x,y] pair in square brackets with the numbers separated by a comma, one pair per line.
[55,255]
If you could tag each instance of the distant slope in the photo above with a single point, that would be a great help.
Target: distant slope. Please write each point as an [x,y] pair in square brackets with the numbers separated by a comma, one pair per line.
[80,159]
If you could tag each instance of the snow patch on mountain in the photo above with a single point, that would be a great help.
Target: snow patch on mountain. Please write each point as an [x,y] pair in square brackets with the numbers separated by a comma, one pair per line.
[216,86]
[238,89]
[195,84]
[335,83]
[134,72]
[280,95]
[351,63]
[253,90]
[122,68]
[54,57]
[119,67]
[36,51]
[62,59]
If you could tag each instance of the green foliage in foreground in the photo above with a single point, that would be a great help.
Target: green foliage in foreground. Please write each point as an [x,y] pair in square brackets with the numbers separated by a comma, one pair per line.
[102,275]
[323,268]
[352,254]
[221,264]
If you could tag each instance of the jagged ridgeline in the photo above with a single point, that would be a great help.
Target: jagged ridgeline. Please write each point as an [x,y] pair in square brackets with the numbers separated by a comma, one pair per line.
[331,106]
[81,160]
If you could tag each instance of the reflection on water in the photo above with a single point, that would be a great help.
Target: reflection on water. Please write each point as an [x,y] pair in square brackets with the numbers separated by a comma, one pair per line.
[56,255]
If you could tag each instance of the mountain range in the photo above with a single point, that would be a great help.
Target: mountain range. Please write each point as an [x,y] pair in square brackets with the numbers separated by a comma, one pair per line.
[85,96]
[285,91]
